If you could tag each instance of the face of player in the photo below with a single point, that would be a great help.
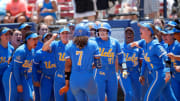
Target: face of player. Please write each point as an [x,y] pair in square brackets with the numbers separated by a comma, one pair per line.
[103,34]
[168,38]
[129,37]
[43,29]
[16,37]
[5,37]
[64,37]
[145,33]
[24,30]
[32,43]
[177,36]
[93,32]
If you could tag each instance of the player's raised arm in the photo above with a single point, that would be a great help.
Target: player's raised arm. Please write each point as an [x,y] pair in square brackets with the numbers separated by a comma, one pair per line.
[46,45]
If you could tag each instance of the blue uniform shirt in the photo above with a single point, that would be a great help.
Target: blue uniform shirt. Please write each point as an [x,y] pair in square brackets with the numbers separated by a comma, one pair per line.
[109,50]
[175,49]
[39,46]
[58,48]
[154,55]
[5,53]
[22,63]
[45,61]
[132,57]
[82,59]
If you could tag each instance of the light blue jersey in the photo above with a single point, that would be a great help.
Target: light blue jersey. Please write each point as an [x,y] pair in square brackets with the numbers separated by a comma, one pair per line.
[131,85]
[175,82]
[22,70]
[106,76]
[154,56]
[5,53]
[82,82]
[45,62]
[58,49]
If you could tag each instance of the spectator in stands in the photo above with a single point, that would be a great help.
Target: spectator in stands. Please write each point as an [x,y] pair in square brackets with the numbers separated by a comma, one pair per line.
[129,6]
[151,8]
[16,38]
[159,22]
[24,27]
[47,11]
[84,8]
[3,8]
[34,19]
[6,19]
[16,10]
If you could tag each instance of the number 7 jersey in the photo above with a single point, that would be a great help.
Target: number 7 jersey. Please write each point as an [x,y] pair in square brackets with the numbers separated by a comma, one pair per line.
[82,59]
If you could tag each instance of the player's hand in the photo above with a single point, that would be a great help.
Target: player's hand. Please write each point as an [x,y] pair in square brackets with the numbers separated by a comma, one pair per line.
[167,77]
[19,88]
[54,36]
[134,44]
[171,55]
[142,80]
[177,68]
[63,90]
[125,74]
[36,84]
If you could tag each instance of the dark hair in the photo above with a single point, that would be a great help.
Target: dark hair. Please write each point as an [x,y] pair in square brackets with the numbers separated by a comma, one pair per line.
[27,34]
[129,29]
[154,30]
[80,41]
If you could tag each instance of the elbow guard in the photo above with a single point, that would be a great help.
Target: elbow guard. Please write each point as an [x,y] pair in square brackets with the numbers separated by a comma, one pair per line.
[97,63]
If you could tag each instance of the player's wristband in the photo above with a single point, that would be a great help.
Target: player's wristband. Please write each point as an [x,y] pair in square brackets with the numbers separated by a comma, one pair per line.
[67,75]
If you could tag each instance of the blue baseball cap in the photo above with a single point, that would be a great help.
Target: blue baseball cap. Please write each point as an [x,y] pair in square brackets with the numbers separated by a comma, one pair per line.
[33,35]
[64,29]
[24,25]
[158,28]
[70,24]
[45,35]
[147,25]
[172,23]
[5,30]
[166,31]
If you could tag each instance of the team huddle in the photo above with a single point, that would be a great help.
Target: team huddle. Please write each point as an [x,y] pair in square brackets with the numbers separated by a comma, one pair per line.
[86,64]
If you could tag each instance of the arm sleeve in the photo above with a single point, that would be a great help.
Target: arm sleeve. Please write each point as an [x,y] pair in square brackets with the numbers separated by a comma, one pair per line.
[35,67]
[67,51]
[18,61]
[96,53]
[141,43]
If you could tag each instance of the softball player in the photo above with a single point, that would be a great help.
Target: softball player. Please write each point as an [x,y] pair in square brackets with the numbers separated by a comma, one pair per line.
[173,48]
[5,52]
[80,55]
[106,76]
[131,85]
[43,61]
[22,66]
[155,57]
[42,29]
[93,28]
[58,48]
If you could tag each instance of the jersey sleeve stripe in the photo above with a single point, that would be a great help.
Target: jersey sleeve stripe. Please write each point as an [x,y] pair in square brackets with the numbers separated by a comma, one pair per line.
[18,61]
[162,54]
